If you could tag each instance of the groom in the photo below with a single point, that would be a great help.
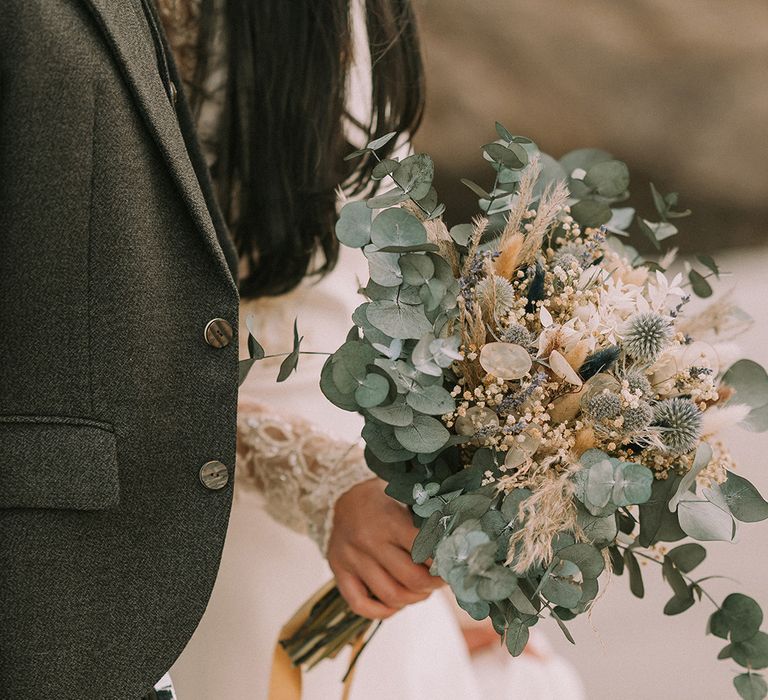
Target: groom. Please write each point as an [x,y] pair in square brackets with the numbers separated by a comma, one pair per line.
[118,355]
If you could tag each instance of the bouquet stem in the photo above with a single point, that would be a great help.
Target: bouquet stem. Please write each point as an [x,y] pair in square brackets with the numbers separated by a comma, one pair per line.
[329,627]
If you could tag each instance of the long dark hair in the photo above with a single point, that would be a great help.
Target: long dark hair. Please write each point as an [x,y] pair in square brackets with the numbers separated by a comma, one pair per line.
[282,139]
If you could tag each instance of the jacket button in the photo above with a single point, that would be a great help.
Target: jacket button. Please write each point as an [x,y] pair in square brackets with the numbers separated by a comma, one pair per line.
[214,475]
[218,333]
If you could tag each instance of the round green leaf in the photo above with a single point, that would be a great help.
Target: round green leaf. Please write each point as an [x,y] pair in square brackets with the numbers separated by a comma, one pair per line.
[398,320]
[432,400]
[752,652]
[353,228]
[395,414]
[497,584]
[397,228]
[425,434]
[590,213]
[381,440]
[337,397]
[609,178]
[372,390]
[586,557]
[513,156]
[704,521]
[417,268]
[415,175]
[743,499]
[742,615]
[750,686]
[384,268]
[583,159]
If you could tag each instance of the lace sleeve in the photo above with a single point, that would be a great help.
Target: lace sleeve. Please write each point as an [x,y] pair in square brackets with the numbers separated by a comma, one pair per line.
[300,470]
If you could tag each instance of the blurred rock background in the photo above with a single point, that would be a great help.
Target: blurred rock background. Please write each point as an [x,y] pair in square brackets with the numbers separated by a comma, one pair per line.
[679,90]
[676,88]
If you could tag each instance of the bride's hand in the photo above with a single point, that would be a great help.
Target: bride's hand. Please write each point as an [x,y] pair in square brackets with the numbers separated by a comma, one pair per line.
[369,552]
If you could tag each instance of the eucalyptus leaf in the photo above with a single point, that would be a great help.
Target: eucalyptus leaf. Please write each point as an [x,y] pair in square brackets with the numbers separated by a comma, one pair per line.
[599,530]
[742,616]
[701,288]
[461,233]
[345,401]
[398,320]
[288,365]
[591,213]
[701,460]
[563,628]
[397,227]
[387,199]
[586,557]
[675,579]
[609,178]
[512,156]
[750,382]
[425,434]
[583,159]
[415,175]
[479,191]
[561,591]
[743,499]
[243,367]
[751,686]
[704,520]
[384,168]
[751,653]
[635,575]
[378,143]
[676,605]
[255,350]
[477,611]
[522,603]
[686,557]
[384,268]
[395,414]
[417,268]
[516,636]
[432,400]
[381,440]
[353,229]
[372,391]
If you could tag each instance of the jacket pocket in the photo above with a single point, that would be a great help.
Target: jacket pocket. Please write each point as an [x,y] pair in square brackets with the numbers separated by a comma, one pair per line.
[57,462]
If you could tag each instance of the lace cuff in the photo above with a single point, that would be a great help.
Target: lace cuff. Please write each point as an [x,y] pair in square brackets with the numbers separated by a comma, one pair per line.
[300,470]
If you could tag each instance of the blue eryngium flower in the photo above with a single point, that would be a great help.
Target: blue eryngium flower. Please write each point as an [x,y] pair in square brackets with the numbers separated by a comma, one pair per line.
[679,421]
[647,334]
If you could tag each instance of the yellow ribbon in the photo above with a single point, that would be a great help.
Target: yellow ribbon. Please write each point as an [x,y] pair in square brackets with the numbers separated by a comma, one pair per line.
[285,679]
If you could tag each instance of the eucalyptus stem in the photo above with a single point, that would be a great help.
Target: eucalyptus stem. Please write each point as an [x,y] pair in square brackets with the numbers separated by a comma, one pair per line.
[684,575]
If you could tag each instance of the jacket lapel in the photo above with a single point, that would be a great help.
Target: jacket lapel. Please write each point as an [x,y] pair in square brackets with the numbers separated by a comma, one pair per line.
[128,36]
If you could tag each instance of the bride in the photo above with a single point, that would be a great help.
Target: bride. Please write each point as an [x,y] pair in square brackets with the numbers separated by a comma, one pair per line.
[279,89]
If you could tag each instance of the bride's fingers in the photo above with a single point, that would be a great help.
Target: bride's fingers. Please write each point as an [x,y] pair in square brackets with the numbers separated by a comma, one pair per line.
[359,599]
[384,586]
[415,577]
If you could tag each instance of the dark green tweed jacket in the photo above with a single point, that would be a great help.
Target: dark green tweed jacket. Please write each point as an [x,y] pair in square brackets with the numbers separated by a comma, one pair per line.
[113,258]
